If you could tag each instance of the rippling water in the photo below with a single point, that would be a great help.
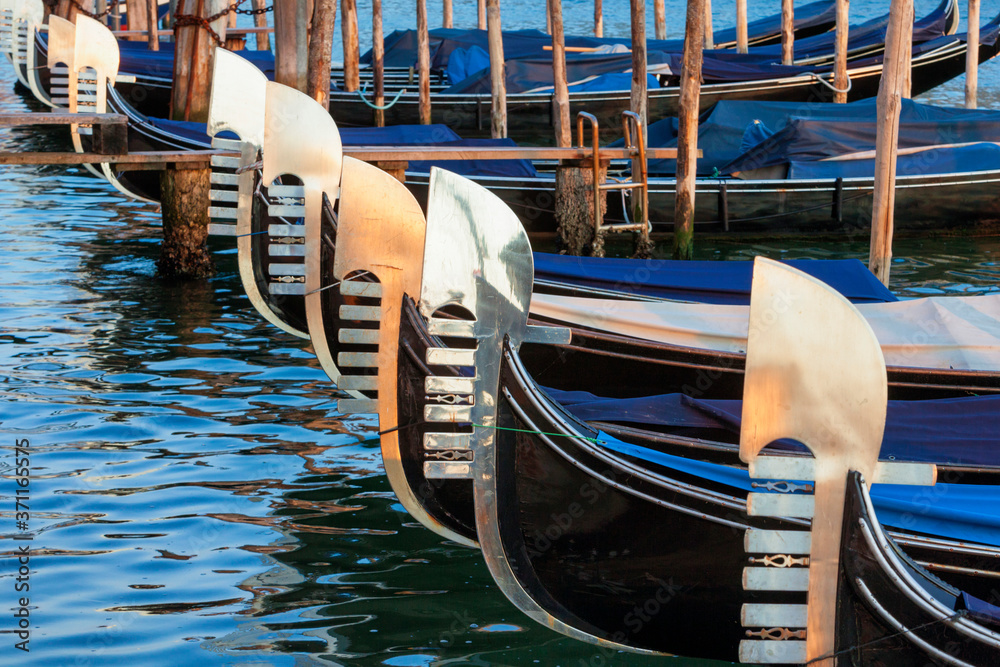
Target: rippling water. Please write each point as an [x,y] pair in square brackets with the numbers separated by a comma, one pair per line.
[194,497]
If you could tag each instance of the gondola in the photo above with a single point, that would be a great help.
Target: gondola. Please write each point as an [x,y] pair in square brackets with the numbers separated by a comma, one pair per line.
[151,73]
[529,114]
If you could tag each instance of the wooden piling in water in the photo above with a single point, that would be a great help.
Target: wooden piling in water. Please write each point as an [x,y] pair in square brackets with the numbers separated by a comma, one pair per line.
[787,32]
[424,62]
[152,28]
[660,19]
[687,131]
[639,104]
[972,57]
[321,50]
[378,62]
[598,18]
[446,14]
[481,14]
[260,21]
[184,200]
[887,137]
[548,16]
[498,84]
[742,39]
[709,34]
[349,35]
[560,96]
[840,81]
[291,43]
[136,12]
[906,88]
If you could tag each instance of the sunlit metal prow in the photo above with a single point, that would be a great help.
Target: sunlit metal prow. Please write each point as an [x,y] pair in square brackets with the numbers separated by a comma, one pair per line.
[814,374]
[20,21]
[239,96]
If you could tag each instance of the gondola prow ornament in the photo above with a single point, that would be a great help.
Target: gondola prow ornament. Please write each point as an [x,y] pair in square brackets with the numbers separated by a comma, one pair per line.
[814,374]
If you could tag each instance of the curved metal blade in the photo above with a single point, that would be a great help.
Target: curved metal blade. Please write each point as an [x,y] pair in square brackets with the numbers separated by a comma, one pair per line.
[239,93]
[814,373]
[28,16]
[302,140]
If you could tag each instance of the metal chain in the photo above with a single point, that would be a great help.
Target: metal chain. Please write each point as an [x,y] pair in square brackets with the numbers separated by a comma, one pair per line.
[205,22]
[80,8]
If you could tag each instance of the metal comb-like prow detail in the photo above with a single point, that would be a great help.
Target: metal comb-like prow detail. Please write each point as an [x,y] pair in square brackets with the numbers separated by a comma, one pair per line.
[26,18]
[477,256]
[814,373]
[237,105]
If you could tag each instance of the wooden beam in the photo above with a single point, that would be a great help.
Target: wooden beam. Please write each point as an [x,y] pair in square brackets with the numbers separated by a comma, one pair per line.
[422,153]
[660,19]
[481,14]
[321,50]
[639,102]
[195,158]
[446,14]
[709,35]
[291,43]
[61,118]
[887,138]
[349,34]
[195,55]
[742,40]
[972,57]
[787,32]
[498,84]
[560,99]
[136,15]
[906,87]
[378,62]
[840,81]
[152,27]
[260,22]
[424,62]
[687,134]
[598,18]
[548,17]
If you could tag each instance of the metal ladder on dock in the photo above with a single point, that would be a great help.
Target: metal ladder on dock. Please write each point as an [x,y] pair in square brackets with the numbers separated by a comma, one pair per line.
[635,144]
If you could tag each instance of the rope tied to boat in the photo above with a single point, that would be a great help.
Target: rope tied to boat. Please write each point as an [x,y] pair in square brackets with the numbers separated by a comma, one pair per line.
[378,107]
[832,86]
[204,22]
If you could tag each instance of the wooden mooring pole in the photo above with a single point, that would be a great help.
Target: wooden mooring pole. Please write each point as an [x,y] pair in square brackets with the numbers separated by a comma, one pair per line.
[639,105]
[887,136]
[481,14]
[598,18]
[560,98]
[498,84]
[378,62]
[709,33]
[446,14]
[660,19]
[972,56]
[687,131]
[742,39]
[291,43]
[321,50]
[349,35]
[184,200]
[260,21]
[787,32]
[152,29]
[136,12]
[424,62]
[906,88]
[840,52]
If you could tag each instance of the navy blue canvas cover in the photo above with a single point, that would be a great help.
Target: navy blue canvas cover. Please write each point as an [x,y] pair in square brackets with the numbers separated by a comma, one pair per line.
[938,160]
[703,282]
[959,431]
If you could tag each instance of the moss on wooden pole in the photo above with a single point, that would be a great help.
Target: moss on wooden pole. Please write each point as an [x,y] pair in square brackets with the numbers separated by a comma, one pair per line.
[184,192]
[687,133]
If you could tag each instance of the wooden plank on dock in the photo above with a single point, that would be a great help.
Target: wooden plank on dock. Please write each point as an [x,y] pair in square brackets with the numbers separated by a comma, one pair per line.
[134,160]
[60,118]
[391,153]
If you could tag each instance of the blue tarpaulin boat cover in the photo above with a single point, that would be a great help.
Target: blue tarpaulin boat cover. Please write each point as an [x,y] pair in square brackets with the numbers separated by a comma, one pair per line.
[954,430]
[965,512]
[803,132]
[704,282]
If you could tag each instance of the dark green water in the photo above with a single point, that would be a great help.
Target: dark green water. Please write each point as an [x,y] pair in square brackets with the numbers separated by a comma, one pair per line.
[195,499]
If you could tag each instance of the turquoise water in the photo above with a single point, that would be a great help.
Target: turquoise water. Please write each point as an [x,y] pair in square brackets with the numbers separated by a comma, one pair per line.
[194,497]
